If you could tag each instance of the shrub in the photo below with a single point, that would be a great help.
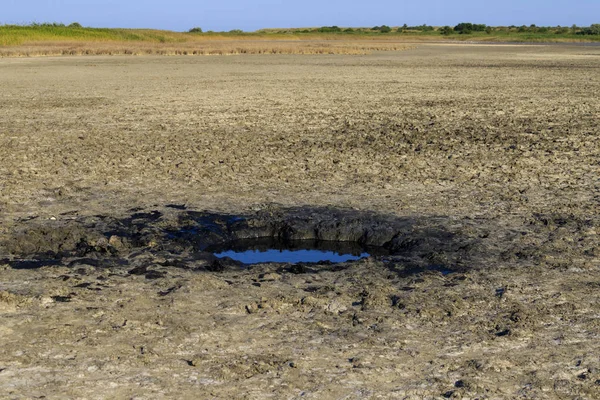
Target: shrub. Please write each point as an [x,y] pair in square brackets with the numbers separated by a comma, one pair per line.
[594,29]
[464,28]
[421,28]
[382,29]
[75,25]
[425,28]
[467,27]
[48,25]
[329,29]
[195,30]
[236,31]
[488,30]
[446,30]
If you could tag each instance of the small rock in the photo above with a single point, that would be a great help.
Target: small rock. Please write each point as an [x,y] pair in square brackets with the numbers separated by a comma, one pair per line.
[336,307]
[252,308]
[194,362]
[101,243]
[116,242]
[269,277]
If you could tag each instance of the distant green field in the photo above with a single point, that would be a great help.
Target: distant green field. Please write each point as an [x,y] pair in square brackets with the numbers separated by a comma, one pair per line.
[14,35]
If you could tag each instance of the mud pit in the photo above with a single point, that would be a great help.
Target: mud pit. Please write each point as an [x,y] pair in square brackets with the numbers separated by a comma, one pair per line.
[475,167]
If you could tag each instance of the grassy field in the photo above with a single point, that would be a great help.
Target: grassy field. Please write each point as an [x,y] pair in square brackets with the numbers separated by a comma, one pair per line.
[58,39]
[48,40]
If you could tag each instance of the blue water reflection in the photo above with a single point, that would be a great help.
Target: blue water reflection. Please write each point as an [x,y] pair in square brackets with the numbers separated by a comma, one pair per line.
[289,256]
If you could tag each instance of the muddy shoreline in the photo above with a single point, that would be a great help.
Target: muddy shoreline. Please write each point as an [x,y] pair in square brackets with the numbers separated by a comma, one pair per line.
[474,167]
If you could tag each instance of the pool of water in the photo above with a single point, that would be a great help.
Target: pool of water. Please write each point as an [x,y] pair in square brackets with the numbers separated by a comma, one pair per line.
[288,256]
[265,250]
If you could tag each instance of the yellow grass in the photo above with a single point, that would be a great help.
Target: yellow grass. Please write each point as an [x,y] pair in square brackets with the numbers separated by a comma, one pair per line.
[52,40]
[210,45]
[55,40]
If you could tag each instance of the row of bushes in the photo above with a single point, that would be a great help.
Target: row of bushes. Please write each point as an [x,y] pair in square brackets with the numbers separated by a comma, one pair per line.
[462,28]
[51,25]
[468,28]
[199,30]
[594,29]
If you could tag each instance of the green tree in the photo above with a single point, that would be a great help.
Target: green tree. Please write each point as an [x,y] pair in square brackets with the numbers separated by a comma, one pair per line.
[464,28]
[195,30]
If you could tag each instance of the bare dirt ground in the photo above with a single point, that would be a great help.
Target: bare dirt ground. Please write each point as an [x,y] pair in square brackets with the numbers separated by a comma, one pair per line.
[487,155]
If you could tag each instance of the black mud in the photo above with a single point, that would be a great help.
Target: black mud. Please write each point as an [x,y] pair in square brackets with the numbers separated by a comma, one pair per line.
[186,239]
[167,238]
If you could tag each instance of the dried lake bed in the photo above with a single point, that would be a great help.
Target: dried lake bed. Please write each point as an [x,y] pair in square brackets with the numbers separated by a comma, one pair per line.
[475,166]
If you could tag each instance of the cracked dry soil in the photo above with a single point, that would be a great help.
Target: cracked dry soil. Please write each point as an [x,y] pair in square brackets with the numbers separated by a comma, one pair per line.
[476,167]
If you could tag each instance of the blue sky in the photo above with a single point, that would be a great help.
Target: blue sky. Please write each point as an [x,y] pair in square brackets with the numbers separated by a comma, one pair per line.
[249,15]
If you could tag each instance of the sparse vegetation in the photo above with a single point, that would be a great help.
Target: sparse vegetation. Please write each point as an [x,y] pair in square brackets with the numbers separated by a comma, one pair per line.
[57,38]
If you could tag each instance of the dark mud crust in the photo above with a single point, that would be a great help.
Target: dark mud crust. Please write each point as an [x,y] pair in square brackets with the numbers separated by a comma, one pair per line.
[140,286]
[184,239]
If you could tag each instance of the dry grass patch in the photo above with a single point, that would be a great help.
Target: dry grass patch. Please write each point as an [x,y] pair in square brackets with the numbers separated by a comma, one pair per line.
[209,47]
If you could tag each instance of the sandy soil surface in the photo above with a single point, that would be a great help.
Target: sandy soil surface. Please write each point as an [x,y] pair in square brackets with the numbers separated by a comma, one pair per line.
[479,162]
